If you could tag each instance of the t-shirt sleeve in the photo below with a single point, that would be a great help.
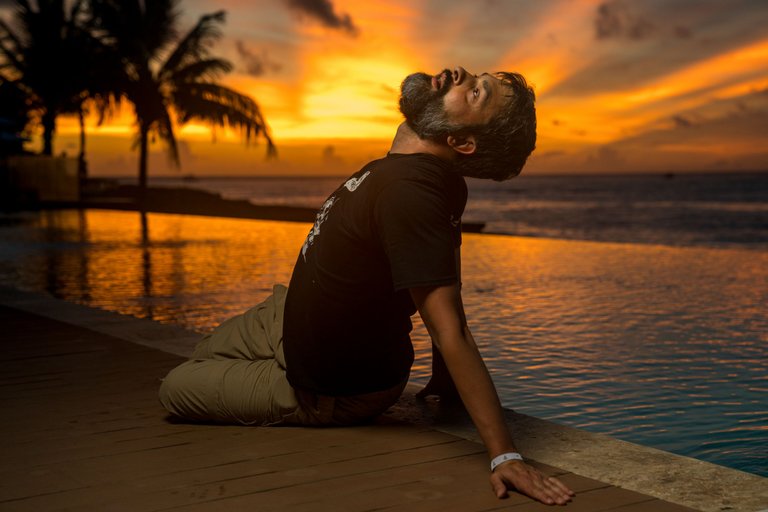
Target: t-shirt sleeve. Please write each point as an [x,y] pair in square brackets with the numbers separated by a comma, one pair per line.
[414,224]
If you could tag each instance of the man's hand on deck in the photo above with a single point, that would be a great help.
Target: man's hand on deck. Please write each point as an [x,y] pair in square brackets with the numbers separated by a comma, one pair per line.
[529,481]
[445,389]
[441,384]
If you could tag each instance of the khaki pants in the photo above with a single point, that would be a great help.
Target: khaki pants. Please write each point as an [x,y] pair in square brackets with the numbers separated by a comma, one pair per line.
[237,375]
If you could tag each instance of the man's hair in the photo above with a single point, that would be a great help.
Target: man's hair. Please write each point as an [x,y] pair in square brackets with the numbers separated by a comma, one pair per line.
[505,142]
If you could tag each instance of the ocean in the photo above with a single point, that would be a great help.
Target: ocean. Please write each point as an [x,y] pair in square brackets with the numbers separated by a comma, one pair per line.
[633,306]
[697,210]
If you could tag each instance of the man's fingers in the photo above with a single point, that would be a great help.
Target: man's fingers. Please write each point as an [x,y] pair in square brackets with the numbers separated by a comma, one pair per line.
[551,488]
[557,491]
[561,492]
[560,486]
[553,493]
[499,487]
[546,494]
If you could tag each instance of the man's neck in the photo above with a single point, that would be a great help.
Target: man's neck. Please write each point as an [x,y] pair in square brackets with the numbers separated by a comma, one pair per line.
[407,142]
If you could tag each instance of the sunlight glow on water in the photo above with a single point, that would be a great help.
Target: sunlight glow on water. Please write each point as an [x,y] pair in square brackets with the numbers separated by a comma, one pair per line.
[664,346]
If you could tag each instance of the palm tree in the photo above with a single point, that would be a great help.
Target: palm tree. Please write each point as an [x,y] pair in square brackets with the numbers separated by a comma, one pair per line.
[46,57]
[14,118]
[165,76]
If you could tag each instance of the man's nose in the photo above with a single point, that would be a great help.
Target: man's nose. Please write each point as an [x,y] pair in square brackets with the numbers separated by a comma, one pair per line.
[459,73]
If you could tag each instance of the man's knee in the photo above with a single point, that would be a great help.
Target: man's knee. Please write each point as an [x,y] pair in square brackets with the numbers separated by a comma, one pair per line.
[185,391]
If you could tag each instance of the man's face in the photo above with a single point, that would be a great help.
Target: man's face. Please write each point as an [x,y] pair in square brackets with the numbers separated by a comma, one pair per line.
[438,105]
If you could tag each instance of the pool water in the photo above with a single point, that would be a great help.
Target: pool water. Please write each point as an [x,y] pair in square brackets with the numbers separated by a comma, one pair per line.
[658,345]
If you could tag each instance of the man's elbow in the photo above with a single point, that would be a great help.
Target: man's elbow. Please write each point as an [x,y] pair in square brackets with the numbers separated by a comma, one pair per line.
[456,340]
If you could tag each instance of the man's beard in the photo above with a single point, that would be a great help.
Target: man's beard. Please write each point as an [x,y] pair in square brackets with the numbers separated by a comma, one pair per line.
[423,108]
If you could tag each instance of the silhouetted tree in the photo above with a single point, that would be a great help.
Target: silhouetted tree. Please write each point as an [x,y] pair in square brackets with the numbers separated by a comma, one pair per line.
[14,117]
[165,76]
[46,55]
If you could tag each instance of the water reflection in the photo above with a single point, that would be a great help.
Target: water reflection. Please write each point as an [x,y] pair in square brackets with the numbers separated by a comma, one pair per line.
[660,345]
[65,234]
[146,265]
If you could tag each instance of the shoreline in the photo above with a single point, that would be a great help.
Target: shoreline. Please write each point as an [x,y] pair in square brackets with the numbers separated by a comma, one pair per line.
[682,480]
[189,201]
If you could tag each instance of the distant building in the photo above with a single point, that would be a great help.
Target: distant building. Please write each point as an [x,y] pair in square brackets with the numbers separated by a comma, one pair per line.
[33,181]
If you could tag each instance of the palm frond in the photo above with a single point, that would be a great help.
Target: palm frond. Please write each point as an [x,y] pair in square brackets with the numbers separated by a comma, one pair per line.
[78,9]
[194,46]
[139,30]
[10,34]
[24,5]
[161,18]
[106,106]
[11,60]
[222,106]
[202,69]
[11,52]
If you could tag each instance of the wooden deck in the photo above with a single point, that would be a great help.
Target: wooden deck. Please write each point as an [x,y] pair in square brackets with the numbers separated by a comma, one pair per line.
[82,430]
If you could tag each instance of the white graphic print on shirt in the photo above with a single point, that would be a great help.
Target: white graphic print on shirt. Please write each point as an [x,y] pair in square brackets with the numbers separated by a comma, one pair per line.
[351,185]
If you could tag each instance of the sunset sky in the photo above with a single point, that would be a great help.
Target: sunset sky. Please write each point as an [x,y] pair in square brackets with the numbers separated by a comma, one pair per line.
[622,86]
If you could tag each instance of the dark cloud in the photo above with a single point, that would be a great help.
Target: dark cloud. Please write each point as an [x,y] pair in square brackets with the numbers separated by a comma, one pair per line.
[681,121]
[684,36]
[550,154]
[607,157]
[615,20]
[682,32]
[323,11]
[256,65]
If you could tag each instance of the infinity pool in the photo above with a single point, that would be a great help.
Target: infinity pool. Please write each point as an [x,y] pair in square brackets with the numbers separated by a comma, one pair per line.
[662,346]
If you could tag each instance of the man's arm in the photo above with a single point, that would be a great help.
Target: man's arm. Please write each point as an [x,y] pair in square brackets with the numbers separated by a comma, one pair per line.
[443,314]
[440,384]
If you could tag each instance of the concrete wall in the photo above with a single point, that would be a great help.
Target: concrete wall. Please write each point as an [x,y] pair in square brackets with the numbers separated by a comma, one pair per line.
[41,178]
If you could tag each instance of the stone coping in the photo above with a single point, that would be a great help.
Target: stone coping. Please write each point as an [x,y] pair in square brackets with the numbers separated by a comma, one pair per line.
[678,479]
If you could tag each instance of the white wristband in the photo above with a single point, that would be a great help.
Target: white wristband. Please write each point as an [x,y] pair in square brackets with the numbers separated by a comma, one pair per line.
[504,457]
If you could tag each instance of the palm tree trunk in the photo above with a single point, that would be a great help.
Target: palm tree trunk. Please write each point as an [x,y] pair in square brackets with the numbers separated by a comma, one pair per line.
[143,154]
[82,168]
[49,127]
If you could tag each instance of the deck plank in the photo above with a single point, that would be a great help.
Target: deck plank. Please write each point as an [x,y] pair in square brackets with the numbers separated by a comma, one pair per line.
[87,433]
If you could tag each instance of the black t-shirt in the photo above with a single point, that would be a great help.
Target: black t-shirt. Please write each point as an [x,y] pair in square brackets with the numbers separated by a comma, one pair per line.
[393,225]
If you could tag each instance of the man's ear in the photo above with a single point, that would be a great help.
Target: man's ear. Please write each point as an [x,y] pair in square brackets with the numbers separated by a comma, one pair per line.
[464,144]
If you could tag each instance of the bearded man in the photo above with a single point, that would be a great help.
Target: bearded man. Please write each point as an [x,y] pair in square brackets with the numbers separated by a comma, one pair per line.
[334,348]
